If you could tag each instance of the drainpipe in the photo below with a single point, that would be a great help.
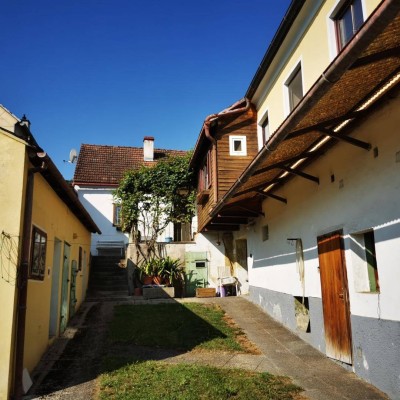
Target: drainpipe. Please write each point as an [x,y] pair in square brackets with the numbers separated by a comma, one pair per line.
[22,283]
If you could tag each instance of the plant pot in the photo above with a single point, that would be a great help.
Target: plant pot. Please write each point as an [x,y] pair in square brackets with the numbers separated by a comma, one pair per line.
[157,280]
[138,291]
[147,280]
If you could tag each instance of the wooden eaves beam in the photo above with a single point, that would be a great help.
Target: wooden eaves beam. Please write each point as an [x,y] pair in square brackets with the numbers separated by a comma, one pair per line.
[272,196]
[301,174]
[348,139]
[370,58]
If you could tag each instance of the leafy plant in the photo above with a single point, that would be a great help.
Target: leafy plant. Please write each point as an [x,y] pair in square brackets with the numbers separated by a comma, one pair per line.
[152,197]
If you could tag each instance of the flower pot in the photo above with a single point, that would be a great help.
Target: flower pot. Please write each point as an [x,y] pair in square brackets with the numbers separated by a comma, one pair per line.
[138,291]
[157,280]
[147,280]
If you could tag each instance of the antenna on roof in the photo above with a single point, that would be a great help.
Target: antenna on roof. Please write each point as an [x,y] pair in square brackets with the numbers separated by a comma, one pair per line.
[73,156]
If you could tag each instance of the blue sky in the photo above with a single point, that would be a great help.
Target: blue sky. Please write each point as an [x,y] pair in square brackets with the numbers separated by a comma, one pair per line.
[112,72]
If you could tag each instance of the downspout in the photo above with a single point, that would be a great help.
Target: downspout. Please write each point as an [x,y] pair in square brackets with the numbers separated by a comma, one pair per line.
[22,283]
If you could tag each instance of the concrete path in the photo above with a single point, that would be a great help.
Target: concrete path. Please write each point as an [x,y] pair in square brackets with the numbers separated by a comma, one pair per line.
[286,354]
[282,353]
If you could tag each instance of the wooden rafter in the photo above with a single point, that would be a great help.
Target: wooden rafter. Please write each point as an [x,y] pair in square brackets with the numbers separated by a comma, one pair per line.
[272,196]
[301,174]
[371,58]
[348,139]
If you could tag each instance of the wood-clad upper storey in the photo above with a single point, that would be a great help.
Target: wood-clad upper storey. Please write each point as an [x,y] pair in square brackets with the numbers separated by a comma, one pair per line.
[223,151]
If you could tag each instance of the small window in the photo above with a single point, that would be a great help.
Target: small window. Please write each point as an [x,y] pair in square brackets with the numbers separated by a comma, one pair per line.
[295,88]
[348,21]
[366,278]
[80,259]
[370,256]
[38,256]
[237,146]
[117,215]
[265,129]
[265,233]
[204,178]
[200,264]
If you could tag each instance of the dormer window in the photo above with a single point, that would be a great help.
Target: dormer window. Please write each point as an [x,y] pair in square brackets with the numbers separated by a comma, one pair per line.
[237,146]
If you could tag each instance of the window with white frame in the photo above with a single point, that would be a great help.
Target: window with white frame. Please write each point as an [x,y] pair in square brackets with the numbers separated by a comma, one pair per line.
[294,88]
[264,124]
[117,215]
[237,146]
[348,20]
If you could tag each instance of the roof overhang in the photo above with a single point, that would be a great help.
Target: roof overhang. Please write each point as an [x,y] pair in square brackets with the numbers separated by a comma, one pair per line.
[356,82]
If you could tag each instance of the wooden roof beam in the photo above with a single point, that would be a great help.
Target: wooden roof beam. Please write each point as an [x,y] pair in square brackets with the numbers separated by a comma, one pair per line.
[216,227]
[348,139]
[301,174]
[370,58]
[272,196]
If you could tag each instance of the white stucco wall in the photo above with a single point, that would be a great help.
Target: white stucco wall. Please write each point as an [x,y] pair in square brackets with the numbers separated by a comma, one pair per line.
[99,203]
[364,195]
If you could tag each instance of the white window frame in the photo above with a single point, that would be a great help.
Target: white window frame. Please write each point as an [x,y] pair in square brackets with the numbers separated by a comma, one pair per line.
[331,25]
[232,150]
[289,77]
[261,122]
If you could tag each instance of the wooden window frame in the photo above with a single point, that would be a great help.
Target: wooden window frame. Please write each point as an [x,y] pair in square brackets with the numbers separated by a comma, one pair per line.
[37,268]
[204,181]
[265,131]
[348,6]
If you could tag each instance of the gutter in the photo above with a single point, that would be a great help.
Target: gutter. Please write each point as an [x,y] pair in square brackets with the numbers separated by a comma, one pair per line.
[374,25]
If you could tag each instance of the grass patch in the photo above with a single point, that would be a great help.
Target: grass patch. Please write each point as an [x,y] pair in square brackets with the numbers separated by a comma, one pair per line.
[154,380]
[176,326]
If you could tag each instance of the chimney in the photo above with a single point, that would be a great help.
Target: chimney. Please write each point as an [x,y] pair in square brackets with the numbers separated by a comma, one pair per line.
[148,148]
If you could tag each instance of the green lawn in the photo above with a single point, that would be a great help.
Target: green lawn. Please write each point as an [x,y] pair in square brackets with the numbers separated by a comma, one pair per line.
[152,380]
[186,327]
[176,326]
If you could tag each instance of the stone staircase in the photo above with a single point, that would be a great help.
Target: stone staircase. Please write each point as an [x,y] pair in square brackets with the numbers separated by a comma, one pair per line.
[107,280]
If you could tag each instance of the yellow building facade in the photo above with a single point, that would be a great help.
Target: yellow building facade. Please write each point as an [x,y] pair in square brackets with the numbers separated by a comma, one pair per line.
[58,250]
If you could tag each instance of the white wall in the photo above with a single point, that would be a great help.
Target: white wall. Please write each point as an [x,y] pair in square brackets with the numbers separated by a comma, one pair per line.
[364,195]
[99,204]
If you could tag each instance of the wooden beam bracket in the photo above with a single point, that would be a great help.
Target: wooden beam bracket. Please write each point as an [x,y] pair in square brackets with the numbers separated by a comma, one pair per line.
[301,174]
[348,139]
[273,196]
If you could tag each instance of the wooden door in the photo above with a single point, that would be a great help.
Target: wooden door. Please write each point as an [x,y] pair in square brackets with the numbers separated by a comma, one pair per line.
[335,298]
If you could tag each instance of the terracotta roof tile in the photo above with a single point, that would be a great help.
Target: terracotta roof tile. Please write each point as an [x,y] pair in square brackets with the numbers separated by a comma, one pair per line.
[100,165]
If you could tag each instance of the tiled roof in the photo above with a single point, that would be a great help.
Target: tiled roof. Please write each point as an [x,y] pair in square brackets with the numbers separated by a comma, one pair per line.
[100,165]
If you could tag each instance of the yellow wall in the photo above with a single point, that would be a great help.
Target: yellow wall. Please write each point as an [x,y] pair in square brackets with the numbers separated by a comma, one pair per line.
[54,218]
[12,165]
[312,47]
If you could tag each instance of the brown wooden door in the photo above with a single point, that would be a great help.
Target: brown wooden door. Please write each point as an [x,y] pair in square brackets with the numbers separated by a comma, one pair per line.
[335,298]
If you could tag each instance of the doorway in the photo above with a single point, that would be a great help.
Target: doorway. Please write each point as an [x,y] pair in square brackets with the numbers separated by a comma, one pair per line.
[55,286]
[64,289]
[335,297]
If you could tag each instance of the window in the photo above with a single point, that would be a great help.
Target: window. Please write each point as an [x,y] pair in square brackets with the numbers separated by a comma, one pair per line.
[117,215]
[370,256]
[265,233]
[80,259]
[265,129]
[205,173]
[38,256]
[295,88]
[348,21]
[237,146]
[366,278]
